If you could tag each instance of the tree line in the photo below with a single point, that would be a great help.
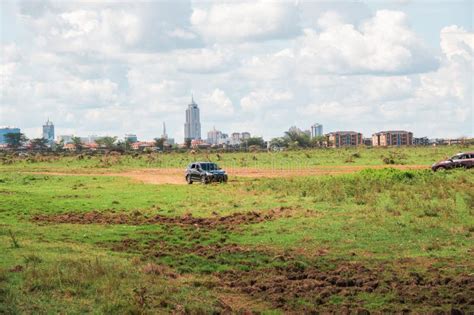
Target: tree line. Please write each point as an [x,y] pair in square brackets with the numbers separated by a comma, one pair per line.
[292,139]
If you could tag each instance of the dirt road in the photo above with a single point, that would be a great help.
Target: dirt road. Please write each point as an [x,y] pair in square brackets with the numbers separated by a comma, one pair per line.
[176,176]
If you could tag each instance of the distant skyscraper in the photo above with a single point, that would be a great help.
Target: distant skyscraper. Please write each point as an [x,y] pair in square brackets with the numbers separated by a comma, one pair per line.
[192,127]
[164,135]
[48,131]
[7,130]
[316,130]
[214,136]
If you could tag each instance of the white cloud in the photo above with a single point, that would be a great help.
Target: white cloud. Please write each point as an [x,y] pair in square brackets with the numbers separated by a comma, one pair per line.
[203,60]
[264,98]
[246,20]
[456,41]
[217,104]
[108,68]
[327,110]
[269,66]
[388,88]
[383,44]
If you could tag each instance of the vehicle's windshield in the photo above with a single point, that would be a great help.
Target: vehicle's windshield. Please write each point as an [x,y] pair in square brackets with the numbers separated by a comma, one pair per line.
[456,157]
[209,166]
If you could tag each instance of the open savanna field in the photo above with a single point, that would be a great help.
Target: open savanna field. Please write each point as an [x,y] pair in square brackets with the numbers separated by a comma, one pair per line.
[327,230]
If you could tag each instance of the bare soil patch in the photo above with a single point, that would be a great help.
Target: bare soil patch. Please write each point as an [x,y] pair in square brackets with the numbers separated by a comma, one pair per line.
[303,287]
[283,287]
[175,176]
[137,218]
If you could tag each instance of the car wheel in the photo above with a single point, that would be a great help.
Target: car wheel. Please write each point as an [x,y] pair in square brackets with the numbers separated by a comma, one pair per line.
[225,179]
[441,169]
[188,179]
[204,180]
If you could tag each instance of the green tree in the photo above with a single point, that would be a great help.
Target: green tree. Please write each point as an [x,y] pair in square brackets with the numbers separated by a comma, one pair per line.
[318,141]
[15,140]
[77,143]
[107,142]
[125,146]
[256,141]
[160,143]
[280,142]
[39,144]
[297,138]
[60,145]
[187,143]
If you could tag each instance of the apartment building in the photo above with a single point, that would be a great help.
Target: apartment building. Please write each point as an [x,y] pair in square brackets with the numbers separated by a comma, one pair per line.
[344,139]
[392,138]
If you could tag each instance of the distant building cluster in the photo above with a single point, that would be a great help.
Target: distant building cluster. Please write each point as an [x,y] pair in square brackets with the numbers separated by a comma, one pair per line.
[216,138]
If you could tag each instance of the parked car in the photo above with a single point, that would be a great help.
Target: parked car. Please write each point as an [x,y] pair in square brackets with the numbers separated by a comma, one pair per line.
[465,160]
[205,172]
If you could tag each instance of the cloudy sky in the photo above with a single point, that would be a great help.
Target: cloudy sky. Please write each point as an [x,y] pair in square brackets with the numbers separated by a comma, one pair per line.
[110,68]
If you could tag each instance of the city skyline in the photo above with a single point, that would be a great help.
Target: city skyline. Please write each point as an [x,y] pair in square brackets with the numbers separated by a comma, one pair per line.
[93,68]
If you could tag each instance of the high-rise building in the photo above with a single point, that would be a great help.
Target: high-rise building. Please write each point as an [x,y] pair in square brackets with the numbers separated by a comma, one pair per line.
[6,130]
[214,136]
[164,135]
[316,130]
[392,138]
[168,141]
[48,131]
[192,127]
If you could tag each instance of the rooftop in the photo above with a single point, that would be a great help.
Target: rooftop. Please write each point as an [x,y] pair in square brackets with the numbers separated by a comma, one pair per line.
[391,131]
[333,132]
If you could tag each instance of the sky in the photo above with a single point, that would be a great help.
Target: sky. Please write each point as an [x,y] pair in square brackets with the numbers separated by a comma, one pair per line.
[111,68]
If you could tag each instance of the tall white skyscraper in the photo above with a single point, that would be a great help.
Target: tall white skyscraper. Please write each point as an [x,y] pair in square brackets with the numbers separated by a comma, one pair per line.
[48,131]
[164,135]
[316,130]
[192,127]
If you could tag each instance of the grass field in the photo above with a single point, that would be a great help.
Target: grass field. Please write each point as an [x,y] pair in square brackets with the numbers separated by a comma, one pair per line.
[279,160]
[377,239]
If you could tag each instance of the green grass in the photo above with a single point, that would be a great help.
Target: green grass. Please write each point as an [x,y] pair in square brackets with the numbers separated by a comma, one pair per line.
[277,160]
[406,222]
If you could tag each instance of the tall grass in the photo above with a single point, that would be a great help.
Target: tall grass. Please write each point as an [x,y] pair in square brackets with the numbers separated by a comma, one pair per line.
[300,159]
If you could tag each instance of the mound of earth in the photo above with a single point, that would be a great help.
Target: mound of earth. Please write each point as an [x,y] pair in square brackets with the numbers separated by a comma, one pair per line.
[137,218]
[348,283]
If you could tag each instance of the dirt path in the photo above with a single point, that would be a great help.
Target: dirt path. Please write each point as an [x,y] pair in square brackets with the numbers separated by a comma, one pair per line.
[176,176]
